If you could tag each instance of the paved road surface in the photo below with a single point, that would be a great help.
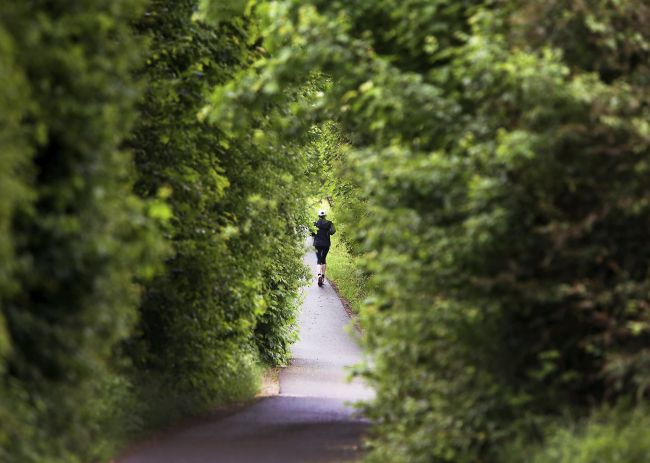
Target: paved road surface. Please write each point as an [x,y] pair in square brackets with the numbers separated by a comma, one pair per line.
[309,421]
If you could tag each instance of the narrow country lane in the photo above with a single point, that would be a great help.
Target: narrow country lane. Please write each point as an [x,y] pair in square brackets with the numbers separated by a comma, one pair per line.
[309,421]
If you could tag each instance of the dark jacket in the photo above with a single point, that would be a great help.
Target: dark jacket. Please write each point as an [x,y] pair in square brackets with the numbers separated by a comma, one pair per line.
[324,228]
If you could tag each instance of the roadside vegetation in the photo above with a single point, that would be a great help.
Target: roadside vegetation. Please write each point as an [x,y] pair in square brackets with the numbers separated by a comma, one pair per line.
[346,273]
[487,163]
[344,270]
[149,260]
[493,183]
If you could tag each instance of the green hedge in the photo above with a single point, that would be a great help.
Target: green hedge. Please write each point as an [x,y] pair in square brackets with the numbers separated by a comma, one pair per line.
[15,155]
[617,435]
[14,101]
[226,299]
[134,289]
[83,239]
[502,165]
[192,327]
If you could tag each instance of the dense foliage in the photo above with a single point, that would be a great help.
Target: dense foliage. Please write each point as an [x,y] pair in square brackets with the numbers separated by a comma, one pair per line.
[228,293]
[83,237]
[14,155]
[610,436]
[501,152]
[149,262]
[487,162]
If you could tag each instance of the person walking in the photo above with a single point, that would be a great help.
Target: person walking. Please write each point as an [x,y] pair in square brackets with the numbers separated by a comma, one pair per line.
[324,229]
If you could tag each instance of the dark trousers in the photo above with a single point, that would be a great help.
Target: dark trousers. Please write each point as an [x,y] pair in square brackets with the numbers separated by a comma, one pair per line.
[321,254]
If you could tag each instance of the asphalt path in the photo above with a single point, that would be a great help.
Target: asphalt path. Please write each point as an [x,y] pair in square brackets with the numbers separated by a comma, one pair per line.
[311,420]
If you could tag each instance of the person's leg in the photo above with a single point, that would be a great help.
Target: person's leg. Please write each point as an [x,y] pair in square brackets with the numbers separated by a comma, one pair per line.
[319,265]
[319,260]
[324,260]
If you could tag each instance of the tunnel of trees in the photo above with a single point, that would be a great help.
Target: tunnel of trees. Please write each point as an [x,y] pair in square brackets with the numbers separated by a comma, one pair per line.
[487,163]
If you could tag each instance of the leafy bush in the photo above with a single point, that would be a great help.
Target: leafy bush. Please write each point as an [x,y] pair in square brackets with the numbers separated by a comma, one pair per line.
[192,326]
[84,238]
[13,192]
[227,296]
[610,436]
[80,252]
[15,150]
[502,170]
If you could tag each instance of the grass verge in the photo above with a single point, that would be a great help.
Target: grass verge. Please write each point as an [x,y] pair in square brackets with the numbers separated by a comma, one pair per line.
[344,273]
